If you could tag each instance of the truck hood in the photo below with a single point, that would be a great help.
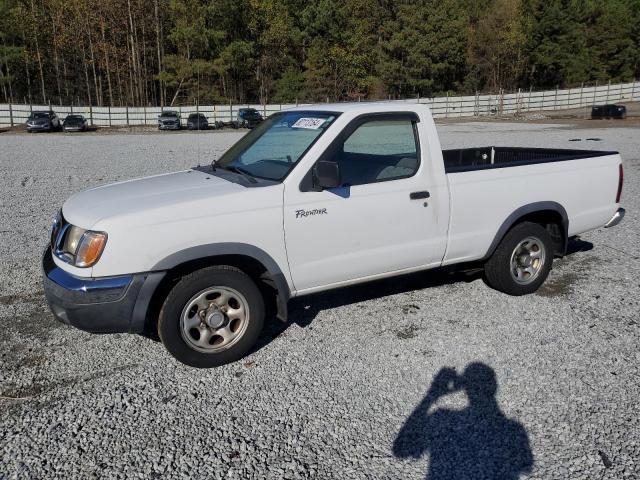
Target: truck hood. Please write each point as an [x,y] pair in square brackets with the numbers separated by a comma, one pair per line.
[86,209]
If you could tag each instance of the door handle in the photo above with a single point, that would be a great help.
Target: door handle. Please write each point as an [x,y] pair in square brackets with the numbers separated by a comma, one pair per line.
[419,195]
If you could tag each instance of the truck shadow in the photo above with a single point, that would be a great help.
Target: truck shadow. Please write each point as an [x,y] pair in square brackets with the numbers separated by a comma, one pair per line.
[303,310]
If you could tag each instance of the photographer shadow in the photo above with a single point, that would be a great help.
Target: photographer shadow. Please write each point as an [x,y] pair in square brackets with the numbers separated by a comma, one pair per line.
[473,443]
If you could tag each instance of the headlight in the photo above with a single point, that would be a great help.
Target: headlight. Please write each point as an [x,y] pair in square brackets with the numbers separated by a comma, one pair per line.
[72,239]
[77,246]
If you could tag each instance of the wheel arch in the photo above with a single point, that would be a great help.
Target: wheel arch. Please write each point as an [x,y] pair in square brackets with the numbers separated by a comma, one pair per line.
[549,214]
[252,260]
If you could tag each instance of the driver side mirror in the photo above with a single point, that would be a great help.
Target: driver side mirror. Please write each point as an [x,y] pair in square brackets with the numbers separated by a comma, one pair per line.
[326,174]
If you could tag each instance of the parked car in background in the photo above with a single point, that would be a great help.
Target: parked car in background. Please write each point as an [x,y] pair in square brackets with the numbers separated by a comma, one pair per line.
[169,120]
[43,121]
[75,123]
[343,194]
[608,111]
[197,121]
[248,118]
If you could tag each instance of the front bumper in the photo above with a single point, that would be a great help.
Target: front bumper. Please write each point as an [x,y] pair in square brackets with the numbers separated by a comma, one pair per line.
[169,126]
[38,128]
[99,305]
[616,219]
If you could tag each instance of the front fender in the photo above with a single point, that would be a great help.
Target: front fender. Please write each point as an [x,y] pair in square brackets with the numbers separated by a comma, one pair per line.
[232,248]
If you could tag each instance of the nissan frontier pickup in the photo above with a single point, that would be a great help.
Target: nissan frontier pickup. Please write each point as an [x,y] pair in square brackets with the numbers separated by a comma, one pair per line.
[314,198]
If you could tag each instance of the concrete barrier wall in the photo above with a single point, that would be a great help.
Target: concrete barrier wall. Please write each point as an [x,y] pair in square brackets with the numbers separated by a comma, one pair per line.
[520,102]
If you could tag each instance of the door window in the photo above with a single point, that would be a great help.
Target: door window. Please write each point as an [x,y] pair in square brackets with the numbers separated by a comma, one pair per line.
[379,150]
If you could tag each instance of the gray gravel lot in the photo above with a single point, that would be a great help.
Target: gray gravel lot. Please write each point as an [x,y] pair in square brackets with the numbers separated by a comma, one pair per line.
[331,394]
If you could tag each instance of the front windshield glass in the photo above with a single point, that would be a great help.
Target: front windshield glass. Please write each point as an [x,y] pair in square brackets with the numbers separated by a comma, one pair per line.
[40,115]
[272,149]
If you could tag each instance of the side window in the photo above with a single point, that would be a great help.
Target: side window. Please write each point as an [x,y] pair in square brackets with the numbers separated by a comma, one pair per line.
[379,150]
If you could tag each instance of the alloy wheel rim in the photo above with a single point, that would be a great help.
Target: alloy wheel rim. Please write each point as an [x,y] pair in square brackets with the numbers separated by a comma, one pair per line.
[527,260]
[214,319]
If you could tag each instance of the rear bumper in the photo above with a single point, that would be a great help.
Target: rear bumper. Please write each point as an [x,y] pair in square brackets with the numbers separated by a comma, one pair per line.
[616,219]
[99,305]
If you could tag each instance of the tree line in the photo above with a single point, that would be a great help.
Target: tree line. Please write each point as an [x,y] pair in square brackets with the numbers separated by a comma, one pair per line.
[177,52]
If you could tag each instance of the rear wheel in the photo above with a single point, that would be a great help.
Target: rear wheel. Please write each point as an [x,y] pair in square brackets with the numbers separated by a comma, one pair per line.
[212,317]
[522,260]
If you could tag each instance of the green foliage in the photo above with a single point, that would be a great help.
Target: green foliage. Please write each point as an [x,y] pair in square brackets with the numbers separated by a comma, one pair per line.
[425,50]
[248,51]
[496,46]
[290,86]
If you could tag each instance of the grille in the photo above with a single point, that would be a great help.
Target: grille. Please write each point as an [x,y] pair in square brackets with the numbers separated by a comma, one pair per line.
[58,236]
[57,227]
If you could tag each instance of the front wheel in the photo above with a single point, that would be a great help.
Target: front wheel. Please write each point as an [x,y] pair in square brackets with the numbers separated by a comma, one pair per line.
[212,317]
[522,260]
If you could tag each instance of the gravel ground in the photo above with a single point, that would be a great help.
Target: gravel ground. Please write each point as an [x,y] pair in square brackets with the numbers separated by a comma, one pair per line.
[331,394]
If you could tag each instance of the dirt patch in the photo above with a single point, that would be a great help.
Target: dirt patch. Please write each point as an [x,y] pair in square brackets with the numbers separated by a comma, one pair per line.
[36,297]
[564,283]
[575,118]
[35,325]
[408,332]
[411,308]
[25,331]
[558,286]
[25,393]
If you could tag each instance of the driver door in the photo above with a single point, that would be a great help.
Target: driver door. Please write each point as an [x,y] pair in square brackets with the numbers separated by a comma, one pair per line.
[379,221]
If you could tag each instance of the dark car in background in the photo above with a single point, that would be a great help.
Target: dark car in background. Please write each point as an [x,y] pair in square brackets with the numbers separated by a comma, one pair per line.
[197,121]
[75,123]
[608,111]
[169,120]
[248,118]
[43,121]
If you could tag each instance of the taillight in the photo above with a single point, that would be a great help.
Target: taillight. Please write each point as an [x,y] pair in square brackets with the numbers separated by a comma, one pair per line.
[620,181]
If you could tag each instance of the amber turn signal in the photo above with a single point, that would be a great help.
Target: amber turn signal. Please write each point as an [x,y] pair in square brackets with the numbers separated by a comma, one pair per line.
[90,248]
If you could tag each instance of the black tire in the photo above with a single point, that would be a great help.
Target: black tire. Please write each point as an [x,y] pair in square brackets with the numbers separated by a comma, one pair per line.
[170,327]
[498,269]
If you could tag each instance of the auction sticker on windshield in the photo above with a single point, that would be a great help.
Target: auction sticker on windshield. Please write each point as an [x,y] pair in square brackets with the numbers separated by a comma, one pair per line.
[310,123]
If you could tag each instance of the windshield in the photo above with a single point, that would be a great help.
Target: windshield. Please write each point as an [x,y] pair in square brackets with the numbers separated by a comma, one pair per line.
[73,118]
[273,148]
[249,112]
[169,114]
[39,115]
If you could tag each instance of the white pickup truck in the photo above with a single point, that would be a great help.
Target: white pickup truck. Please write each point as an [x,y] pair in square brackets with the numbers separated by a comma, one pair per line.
[312,199]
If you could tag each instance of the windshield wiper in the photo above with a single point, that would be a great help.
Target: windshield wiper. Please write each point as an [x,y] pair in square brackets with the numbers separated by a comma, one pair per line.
[239,170]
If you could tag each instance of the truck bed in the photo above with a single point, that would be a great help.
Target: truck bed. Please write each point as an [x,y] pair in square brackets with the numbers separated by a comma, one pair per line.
[483,158]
